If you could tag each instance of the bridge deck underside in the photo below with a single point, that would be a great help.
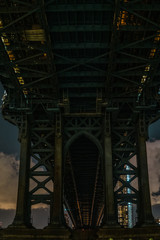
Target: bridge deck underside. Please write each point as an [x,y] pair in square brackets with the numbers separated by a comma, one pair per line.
[89,57]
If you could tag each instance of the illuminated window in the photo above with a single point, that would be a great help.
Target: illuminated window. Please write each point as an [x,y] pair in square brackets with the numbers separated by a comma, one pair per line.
[152,53]
[17,70]
[21,81]
[1,25]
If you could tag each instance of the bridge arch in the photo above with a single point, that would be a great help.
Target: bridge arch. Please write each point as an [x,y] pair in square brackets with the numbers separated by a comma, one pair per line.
[83,159]
[91,137]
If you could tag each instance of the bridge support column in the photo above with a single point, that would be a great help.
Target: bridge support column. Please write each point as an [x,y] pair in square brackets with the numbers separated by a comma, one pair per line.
[144,208]
[57,216]
[110,215]
[22,217]
[57,202]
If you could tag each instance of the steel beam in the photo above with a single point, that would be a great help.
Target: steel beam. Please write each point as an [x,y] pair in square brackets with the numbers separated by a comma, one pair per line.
[19,19]
[101,7]
[23,3]
[80,28]
[87,45]
[11,10]
[22,217]
[28,58]
[97,45]
[94,191]
[156,26]
[76,194]
[49,2]
[124,80]
[100,28]
[79,7]
[80,73]
[57,214]
[109,212]
[145,211]
[82,85]
[64,70]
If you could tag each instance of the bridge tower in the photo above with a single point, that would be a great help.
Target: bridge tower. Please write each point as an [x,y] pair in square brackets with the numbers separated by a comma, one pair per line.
[82,86]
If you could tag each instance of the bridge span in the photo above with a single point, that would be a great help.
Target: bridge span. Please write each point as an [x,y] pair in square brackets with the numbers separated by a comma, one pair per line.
[81,80]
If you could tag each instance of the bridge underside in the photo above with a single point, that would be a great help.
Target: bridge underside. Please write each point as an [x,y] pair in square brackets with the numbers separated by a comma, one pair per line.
[82,85]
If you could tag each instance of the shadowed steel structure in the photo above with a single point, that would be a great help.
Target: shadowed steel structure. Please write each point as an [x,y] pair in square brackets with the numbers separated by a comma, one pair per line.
[82,85]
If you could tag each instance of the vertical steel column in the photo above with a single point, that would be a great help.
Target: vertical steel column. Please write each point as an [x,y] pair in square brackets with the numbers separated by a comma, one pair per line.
[145,211]
[57,215]
[22,217]
[110,213]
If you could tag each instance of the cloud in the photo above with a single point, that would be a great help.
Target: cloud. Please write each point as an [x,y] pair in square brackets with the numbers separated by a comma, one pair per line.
[156,194]
[153,153]
[9,166]
[39,217]
[156,210]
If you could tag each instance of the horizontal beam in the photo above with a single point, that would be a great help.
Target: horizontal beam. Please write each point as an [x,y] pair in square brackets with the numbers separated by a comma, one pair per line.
[7,10]
[60,61]
[83,7]
[127,195]
[79,7]
[82,74]
[143,7]
[72,85]
[136,28]
[123,149]
[41,196]
[99,28]
[136,73]
[80,28]
[40,150]
[125,172]
[43,129]
[88,45]
[81,95]
[40,173]
[82,85]
[96,74]
[16,2]
[100,74]
[100,7]
[81,45]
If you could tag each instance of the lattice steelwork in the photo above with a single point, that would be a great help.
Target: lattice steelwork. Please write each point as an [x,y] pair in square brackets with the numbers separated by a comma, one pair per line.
[124,150]
[42,162]
[83,147]
[82,85]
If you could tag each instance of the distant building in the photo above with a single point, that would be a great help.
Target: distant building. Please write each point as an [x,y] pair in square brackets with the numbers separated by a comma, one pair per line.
[127,211]
[158,221]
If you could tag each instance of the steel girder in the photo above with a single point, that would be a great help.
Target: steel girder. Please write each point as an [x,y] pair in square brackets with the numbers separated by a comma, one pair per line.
[114,54]
[25,7]
[42,162]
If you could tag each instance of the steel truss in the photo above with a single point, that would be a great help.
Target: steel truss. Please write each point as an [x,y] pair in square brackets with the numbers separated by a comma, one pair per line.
[80,78]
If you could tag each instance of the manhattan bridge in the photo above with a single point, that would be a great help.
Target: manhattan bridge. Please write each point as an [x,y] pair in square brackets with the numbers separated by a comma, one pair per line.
[81,81]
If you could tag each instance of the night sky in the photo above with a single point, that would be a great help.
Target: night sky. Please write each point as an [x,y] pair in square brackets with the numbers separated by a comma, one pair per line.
[9,163]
